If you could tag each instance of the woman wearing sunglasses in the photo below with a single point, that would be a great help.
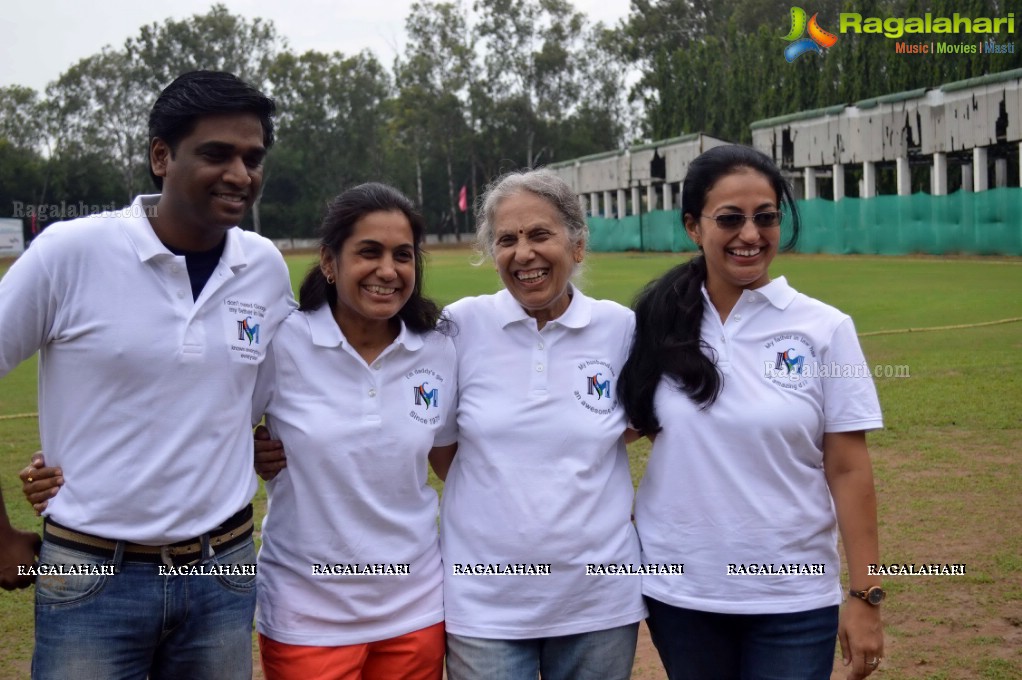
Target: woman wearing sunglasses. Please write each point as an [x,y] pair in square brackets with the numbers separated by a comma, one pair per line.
[757,399]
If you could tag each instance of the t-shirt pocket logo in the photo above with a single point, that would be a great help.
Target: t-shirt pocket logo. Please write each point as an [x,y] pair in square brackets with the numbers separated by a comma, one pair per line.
[243,321]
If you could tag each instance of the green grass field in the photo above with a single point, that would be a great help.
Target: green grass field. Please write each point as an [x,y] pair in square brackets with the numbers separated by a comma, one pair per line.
[948,463]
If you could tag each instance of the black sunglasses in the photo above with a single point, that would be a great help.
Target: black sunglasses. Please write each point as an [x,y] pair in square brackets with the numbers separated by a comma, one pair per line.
[763,220]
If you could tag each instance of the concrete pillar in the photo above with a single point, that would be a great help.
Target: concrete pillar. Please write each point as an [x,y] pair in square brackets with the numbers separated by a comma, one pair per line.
[594,204]
[838,171]
[635,201]
[966,177]
[869,180]
[607,212]
[650,198]
[938,176]
[810,175]
[904,176]
[979,169]
[668,197]
[621,205]
[1000,173]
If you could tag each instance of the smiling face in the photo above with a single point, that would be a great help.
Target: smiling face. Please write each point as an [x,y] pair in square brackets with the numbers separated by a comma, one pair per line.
[534,254]
[736,259]
[209,180]
[374,271]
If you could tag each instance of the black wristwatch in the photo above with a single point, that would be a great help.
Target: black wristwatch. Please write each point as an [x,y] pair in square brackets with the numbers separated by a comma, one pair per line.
[874,595]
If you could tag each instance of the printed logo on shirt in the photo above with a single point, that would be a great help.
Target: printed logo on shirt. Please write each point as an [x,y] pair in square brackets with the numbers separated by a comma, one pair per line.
[424,395]
[248,330]
[596,380]
[243,320]
[785,360]
[425,386]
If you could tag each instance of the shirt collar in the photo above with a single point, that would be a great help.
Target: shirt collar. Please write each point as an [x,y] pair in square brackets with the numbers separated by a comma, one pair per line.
[577,315]
[326,333]
[135,219]
[777,292]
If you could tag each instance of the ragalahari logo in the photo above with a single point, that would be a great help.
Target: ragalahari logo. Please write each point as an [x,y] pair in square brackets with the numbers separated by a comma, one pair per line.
[817,41]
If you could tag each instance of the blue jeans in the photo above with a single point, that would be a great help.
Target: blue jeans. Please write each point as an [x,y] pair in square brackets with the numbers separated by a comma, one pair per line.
[695,645]
[137,623]
[597,655]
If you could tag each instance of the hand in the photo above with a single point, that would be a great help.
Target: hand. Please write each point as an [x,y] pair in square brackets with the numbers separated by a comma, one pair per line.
[861,634]
[17,548]
[40,483]
[269,454]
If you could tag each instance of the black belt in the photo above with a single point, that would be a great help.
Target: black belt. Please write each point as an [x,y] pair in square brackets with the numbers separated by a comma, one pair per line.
[233,531]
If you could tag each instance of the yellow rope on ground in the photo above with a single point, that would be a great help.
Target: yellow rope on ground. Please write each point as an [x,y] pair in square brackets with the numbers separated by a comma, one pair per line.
[942,328]
[13,416]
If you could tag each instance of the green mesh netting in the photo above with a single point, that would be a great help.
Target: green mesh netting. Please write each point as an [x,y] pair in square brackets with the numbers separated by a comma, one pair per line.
[976,223]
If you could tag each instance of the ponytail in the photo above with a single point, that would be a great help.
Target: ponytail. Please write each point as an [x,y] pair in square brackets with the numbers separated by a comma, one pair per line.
[315,291]
[667,343]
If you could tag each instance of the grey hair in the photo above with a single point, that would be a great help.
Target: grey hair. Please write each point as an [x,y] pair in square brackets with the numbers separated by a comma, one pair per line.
[543,183]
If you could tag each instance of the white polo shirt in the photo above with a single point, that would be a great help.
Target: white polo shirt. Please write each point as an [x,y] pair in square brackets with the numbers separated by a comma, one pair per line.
[739,487]
[144,395]
[541,476]
[350,549]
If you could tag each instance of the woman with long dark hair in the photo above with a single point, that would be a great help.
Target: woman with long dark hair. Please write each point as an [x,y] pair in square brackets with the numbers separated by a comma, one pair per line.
[757,399]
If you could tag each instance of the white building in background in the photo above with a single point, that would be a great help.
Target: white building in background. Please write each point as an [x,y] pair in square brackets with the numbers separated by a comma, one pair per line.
[970,126]
[635,180]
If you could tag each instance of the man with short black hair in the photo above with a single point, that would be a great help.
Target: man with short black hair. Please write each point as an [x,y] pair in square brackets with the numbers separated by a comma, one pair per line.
[151,323]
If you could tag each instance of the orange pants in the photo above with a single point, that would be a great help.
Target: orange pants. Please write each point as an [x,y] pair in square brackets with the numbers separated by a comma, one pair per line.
[418,655]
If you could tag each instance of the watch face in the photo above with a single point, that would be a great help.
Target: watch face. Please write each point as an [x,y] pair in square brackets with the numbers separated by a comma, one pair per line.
[875,595]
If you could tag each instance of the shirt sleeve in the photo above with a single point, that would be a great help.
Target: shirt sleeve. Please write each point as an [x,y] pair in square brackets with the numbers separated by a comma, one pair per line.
[265,386]
[28,307]
[448,432]
[850,400]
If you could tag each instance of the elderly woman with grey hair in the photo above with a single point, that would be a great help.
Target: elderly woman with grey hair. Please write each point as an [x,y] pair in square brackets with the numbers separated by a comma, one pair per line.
[536,531]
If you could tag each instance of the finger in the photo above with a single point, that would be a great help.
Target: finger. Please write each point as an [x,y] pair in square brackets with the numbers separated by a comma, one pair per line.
[41,489]
[261,432]
[31,474]
[43,494]
[268,472]
[269,455]
[846,650]
[37,459]
[269,445]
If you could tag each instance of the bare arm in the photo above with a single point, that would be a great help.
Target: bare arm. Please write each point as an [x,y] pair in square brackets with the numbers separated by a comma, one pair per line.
[441,458]
[17,548]
[850,478]
[270,458]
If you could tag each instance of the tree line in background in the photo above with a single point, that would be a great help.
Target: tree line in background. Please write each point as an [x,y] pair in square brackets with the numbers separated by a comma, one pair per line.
[478,90]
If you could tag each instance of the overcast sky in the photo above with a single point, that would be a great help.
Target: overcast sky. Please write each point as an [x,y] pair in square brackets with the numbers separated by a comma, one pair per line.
[40,39]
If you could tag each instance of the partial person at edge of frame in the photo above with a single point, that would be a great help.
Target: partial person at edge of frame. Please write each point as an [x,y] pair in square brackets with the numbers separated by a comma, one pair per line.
[18,551]
[151,324]
[366,343]
[541,476]
[759,456]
